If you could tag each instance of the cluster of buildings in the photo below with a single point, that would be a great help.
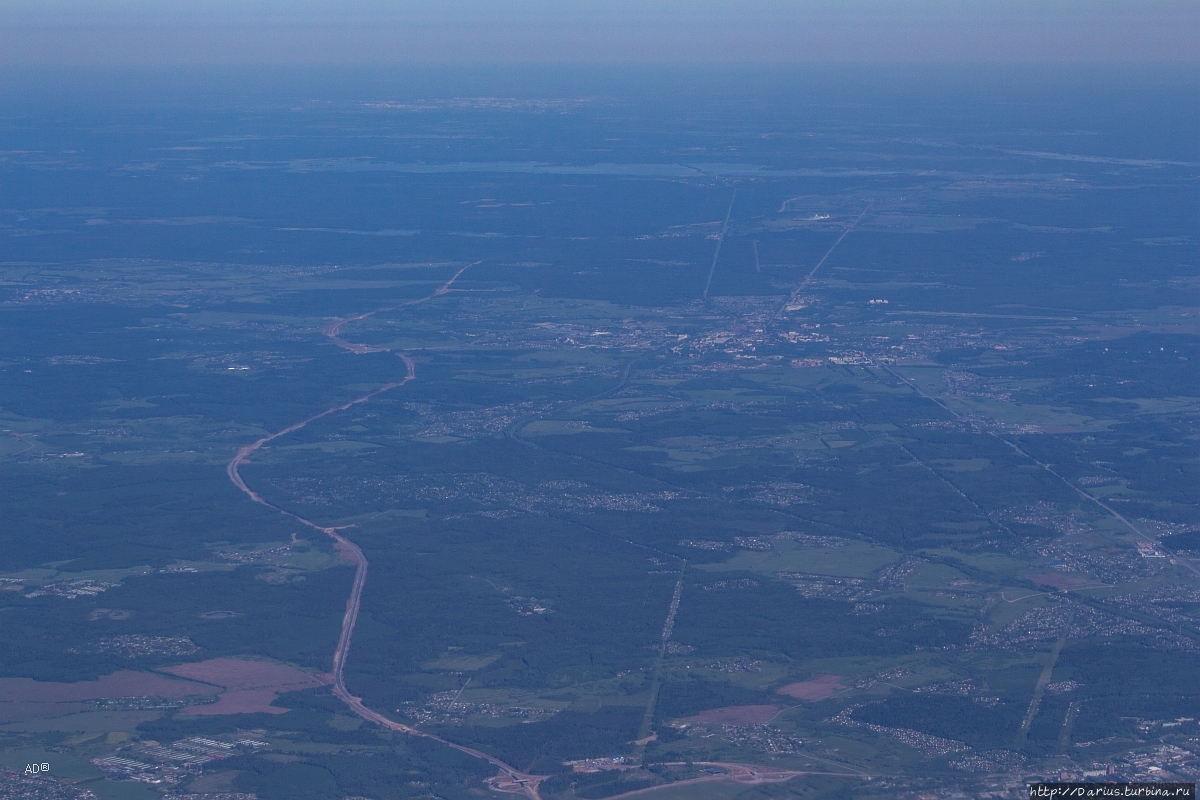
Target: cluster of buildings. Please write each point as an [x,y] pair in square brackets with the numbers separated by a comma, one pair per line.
[445,708]
[166,766]
[72,589]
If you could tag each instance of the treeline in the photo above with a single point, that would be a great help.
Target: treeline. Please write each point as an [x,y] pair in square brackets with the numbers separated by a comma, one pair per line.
[310,717]
[596,785]
[948,716]
[775,618]
[415,768]
[695,694]
[1123,682]
[545,745]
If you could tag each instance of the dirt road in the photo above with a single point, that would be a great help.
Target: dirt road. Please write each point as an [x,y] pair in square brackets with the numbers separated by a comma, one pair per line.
[743,774]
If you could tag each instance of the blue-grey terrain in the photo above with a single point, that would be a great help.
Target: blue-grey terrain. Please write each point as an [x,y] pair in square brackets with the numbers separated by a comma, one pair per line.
[716,433]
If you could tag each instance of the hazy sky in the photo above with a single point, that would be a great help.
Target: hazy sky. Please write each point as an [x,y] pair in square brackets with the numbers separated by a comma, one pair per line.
[61,32]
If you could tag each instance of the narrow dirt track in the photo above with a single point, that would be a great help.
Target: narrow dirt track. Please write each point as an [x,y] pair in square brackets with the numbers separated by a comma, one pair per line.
[743,774]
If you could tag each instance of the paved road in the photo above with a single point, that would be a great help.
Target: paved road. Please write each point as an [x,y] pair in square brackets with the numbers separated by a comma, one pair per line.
[507,779]
[721,241]
[808,278]
[1086,495]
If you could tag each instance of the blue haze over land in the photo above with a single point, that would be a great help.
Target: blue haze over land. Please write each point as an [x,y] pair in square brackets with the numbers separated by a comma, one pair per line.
[780,416]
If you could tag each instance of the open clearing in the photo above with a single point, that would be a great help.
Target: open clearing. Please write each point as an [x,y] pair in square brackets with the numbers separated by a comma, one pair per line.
[735,715]
[817,688]
[25,698]
[1057,581]
[249,686]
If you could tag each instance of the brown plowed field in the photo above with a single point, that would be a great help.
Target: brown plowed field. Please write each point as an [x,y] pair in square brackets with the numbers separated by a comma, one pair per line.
[817,688]
[735,715]
[125,683]
[24,698]
[249,686]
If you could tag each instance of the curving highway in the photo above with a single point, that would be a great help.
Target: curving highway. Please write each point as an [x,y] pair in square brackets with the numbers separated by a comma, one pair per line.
[507,779]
